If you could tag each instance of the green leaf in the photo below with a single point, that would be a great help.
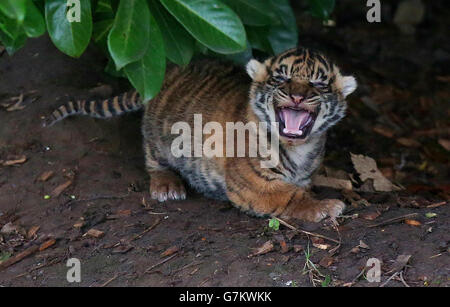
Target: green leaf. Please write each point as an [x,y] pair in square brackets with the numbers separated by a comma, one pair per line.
[4,256]
[147,74]
[14,9]
[129,36]
[211,22]
[104,6]
[240,58]
[100,33]
[104,10]
[179,44]
[200,48]
[13,44]
[274,224]
[285,35]
[9,26]
[254,13]
[34,23]
[257,36]
[326,282]
[72,38]
[111,69]
[321,8]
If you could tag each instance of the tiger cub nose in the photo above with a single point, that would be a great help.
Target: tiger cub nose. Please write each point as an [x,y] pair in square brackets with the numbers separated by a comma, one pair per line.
[297,99]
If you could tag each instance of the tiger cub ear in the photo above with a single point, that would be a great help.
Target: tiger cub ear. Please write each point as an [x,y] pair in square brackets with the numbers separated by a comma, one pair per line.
[256,70]
[349,85]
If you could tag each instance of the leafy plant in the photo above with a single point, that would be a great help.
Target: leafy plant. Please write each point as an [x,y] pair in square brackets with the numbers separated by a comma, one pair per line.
[4,256]
[274,224]
[139,36]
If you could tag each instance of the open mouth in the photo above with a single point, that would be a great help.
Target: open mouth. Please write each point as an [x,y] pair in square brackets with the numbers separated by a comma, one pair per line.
[295,123]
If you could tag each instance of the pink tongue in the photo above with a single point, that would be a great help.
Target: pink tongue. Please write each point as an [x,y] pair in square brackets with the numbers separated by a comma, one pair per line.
[293,120]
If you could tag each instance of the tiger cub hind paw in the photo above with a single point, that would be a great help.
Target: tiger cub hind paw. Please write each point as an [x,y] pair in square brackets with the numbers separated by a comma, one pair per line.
[331,208]
[166,186]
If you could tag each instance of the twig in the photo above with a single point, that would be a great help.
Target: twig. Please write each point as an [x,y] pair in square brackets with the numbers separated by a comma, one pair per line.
[187,266]
[359,275]
[95,198]
[435,205]
[336,248]
[52,262]
[393,220]
[161,262]
[29,251]
[138,236]
[402,280]
[306,232]
[110,280]
[389,279]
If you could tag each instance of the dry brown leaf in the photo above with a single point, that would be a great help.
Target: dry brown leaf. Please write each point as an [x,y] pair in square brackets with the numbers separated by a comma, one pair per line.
[284,247]
[170,251]
[413,222]
[18,105]
[94,233]
[32,231]
[321,246]
[362,244]
[445,143]
[408,142]
[443,78]
[298,248]
[355,250]
[9,228]
[387,172]
[78,224]
[370,216]
[45,176]
[399,264]
[367,169]
[339,184]
[264,249]
[326,261]
[126,212]
[336,173]
[16,160]
[384,131]
[47,244]
[59,189]
[354,198]
[122,249]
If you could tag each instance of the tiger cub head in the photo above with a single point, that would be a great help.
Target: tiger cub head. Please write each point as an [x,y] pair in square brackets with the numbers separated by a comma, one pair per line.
[301,90]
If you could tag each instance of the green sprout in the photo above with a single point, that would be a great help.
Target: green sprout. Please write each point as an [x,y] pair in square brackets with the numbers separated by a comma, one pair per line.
[274,224]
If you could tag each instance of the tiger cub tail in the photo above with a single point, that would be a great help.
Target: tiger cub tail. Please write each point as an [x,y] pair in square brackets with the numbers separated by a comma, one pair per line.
[115,106]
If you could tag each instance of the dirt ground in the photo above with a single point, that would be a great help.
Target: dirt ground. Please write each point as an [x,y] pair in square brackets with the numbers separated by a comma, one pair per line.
[398,116]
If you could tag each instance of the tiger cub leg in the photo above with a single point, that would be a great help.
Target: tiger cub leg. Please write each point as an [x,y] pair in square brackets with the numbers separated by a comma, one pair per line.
[281,199]
[164,183]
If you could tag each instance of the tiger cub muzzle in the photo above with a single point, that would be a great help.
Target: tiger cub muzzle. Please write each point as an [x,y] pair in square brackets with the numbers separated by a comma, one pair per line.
[295,121]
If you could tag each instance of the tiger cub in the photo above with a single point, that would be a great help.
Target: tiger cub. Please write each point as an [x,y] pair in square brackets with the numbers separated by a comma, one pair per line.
[300,90]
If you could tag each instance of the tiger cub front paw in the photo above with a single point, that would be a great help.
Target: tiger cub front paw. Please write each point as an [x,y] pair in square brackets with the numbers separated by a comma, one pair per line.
[165,186]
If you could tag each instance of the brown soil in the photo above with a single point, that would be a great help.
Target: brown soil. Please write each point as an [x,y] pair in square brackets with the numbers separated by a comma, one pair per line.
[404,87]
